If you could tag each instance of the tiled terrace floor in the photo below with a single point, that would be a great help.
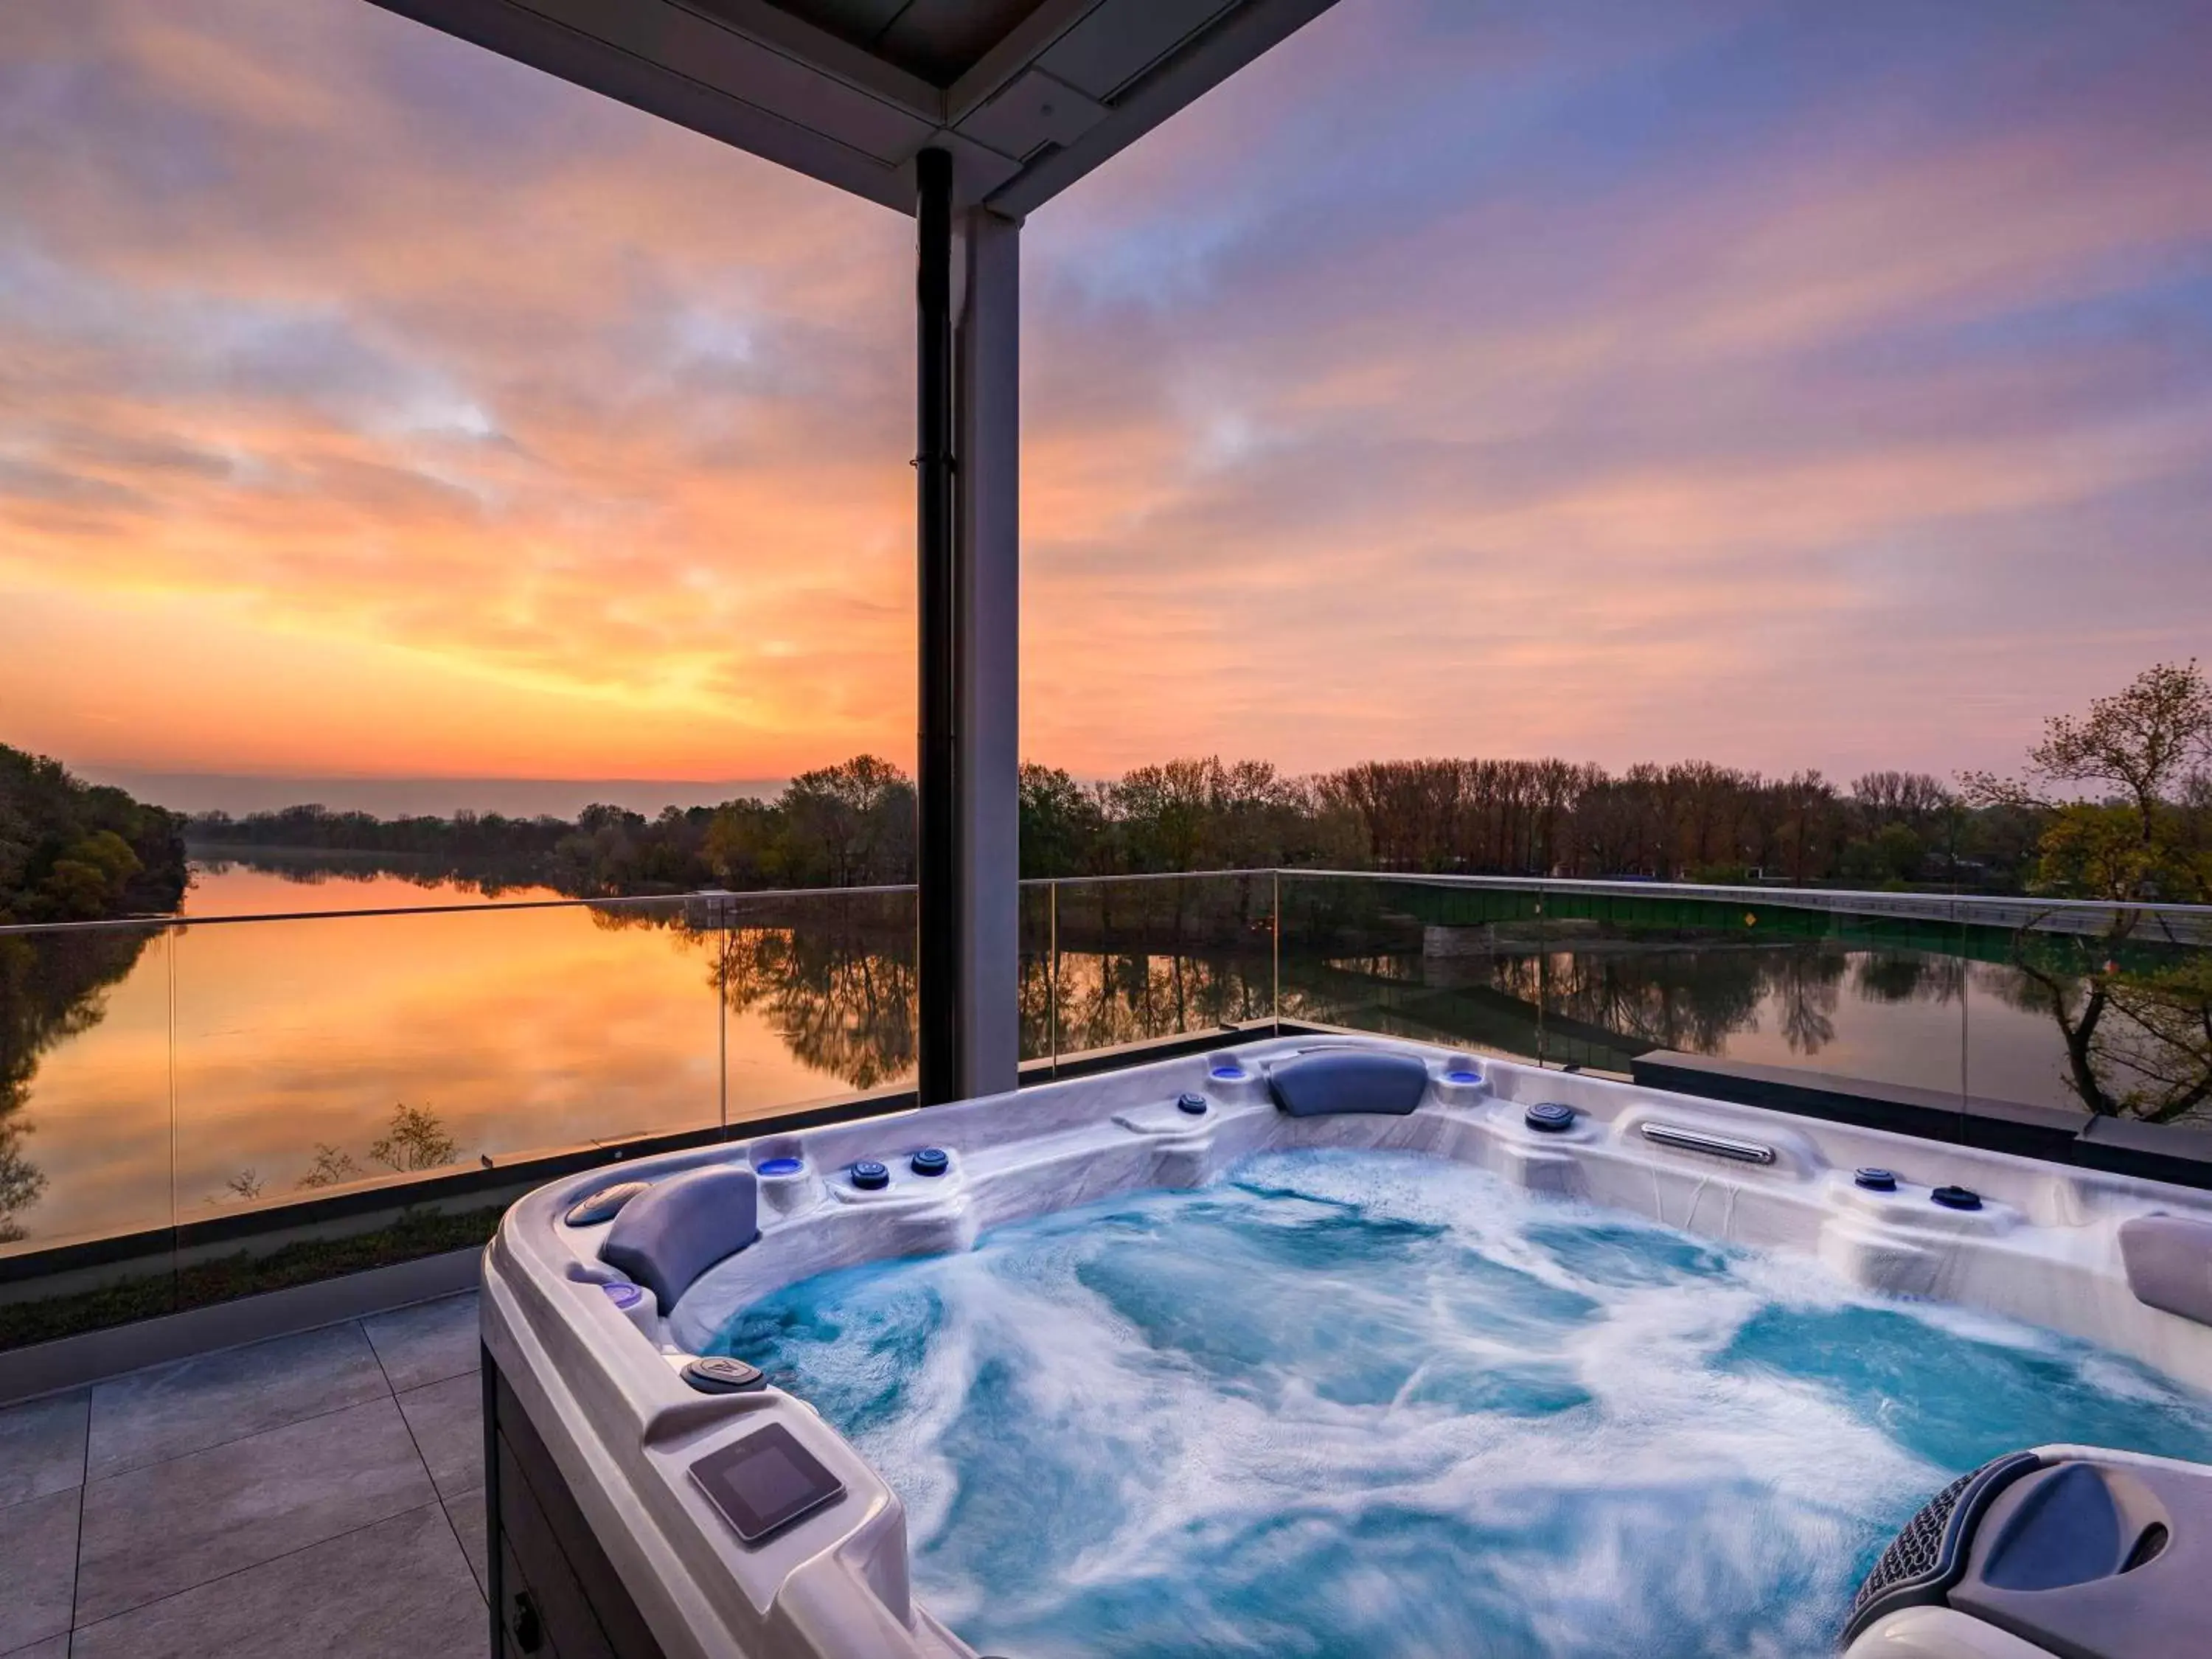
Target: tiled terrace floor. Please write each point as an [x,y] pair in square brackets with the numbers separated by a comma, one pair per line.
[316,1494]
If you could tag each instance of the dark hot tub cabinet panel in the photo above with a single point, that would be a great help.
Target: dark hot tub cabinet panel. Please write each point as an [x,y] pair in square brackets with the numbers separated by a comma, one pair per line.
[554,1594]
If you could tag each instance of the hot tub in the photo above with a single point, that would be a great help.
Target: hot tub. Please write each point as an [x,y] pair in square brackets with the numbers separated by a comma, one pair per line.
[1432,1353]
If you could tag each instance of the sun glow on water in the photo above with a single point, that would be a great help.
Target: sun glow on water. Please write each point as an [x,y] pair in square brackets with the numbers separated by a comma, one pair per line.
[1362,1404]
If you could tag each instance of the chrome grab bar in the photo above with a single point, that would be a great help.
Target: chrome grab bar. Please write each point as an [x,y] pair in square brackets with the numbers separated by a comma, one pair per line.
[1697,1140]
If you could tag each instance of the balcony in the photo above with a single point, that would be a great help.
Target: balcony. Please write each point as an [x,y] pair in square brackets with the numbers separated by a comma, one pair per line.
[276,1127]
[238,1106]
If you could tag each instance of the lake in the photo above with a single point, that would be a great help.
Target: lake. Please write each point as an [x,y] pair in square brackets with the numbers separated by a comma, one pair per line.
[234,1063]
[208,1068]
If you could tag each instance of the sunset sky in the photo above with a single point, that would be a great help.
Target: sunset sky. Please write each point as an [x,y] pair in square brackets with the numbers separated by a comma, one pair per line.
[1782,385]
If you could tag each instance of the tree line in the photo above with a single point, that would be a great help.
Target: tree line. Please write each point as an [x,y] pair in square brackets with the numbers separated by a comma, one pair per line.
[72,851]
[2117,802]
[1689,820]
[852,824]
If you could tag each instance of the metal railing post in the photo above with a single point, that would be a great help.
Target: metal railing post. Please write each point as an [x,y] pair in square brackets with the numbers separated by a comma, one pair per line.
[1275,926]
[1965,1003]
[1052,972]
[169,939]
[722,1017]
[1543,972]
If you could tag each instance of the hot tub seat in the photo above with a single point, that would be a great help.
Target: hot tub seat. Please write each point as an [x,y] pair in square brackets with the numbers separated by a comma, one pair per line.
[1335,1082]
[2081,1553]
[677,1229]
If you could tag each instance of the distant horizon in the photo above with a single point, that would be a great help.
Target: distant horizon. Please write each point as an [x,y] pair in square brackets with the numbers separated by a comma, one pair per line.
[426,796]
[390,796]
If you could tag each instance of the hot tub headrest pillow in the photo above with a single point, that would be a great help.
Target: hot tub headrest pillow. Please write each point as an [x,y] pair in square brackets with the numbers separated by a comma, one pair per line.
[670,1233]
[1337,1080]
[2169,1263]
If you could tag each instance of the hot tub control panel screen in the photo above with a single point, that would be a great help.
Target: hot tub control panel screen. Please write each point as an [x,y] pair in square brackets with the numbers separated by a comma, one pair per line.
[764,1482]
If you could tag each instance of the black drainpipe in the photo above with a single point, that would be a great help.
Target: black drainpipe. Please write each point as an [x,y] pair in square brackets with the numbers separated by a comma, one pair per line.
[939,911]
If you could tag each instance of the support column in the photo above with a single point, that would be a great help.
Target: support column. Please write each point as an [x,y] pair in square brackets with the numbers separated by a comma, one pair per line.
[939,903]
[967,472]
[987,381]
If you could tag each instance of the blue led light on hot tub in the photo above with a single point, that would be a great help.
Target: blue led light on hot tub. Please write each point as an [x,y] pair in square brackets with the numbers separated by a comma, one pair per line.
[780,1166]
[624,1294]
[1876,1181]
[1228,1073]
[1463,1076]
[1549,1117]
[871,1176]
[931,1161]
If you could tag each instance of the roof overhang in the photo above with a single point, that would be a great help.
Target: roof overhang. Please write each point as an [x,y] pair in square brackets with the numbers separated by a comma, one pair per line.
[1027,95]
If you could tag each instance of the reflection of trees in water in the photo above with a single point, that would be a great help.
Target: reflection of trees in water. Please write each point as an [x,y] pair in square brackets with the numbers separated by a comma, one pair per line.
[839,1005]
[1108,999]
[487,877]
[52,987]
[832,976]
[2135,1028]
[1694,1000]
[1139,960]
[1683,1000]
[1806,985]
[1686,1000]
[834,979]
[1901,976]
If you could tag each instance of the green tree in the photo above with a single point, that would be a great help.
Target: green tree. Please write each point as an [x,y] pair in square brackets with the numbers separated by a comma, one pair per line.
[2135,1013]
[72,851]
[851,824]
[1062,823]
[747,845]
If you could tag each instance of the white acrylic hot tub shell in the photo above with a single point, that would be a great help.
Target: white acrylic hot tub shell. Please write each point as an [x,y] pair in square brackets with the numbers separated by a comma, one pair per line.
[602,1390]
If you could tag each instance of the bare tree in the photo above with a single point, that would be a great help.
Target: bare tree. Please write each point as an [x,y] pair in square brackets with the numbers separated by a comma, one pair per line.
[2142,742]
[416,1140]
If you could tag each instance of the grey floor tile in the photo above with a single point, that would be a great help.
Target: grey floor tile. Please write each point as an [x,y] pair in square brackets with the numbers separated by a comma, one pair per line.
[447,1420]
[466,1512]
[42,1446]
[155,1531]
[428,1342]
[395,1590]
[37,1568]
[54,1647]
[195,1403]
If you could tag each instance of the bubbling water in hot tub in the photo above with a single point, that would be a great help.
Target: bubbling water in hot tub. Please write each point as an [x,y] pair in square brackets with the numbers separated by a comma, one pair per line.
[1375,1406]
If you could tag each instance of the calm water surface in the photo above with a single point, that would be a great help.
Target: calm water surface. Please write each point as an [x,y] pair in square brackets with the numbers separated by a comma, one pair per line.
[227,1065]
[235,1064]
